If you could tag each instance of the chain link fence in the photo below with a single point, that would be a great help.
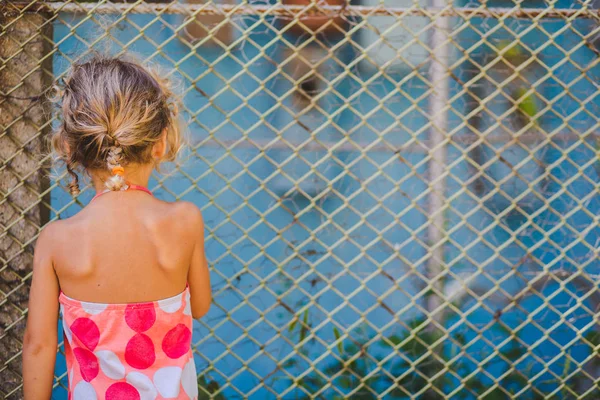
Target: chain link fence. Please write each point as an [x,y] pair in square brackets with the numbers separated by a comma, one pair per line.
[400,197]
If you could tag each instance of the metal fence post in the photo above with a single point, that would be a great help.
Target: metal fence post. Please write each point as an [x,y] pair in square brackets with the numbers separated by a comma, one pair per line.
[438,73]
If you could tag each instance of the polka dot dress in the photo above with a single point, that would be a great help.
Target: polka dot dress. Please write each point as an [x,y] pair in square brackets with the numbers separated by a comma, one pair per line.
[138,351]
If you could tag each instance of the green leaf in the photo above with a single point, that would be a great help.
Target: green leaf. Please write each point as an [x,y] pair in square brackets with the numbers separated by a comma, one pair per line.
[290,363]
[337,335]
[394,339]
[496,394]
[503,328]
[418,323]
[526,102]
[593,337]
[293,324]
[513,354]
[345,381]
[516,379]
[304,328]
[475,385]
[460,338]
[207,390]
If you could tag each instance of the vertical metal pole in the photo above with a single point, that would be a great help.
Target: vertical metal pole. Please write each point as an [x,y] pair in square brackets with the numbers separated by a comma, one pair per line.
[438,76]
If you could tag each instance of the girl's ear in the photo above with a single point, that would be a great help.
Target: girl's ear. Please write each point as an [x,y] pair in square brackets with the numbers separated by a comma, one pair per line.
[160,147]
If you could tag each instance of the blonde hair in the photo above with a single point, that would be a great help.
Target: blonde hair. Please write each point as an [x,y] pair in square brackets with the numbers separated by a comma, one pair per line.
[113,112]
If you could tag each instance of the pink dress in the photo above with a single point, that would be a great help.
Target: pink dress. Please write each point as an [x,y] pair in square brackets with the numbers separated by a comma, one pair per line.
[136,351]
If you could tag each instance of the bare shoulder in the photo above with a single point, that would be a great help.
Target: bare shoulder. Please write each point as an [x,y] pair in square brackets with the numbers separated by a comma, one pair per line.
[191,213]
[49,236]
[61,230]
[50,233]
[187,215]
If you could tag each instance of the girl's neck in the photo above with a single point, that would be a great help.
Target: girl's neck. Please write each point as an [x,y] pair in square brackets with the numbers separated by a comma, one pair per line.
[139,176]
[100,187]
[131,186]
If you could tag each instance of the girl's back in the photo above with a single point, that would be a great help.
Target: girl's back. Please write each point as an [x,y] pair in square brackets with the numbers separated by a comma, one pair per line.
[129,245]
[128,273]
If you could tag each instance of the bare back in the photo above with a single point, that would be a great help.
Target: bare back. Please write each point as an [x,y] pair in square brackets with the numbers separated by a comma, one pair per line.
[124,247]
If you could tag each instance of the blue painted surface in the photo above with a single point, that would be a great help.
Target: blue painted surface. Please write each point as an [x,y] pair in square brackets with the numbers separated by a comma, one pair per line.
[390,202]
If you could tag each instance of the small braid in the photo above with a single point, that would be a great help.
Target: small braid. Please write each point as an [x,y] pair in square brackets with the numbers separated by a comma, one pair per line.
[113,160]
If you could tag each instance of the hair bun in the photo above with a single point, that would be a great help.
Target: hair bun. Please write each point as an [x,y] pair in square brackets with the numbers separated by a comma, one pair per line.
[113,111]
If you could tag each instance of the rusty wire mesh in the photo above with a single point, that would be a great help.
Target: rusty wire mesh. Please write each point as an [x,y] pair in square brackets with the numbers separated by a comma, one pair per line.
[400,197]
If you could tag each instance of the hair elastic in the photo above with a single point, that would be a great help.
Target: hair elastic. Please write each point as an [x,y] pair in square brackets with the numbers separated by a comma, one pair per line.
[118,170]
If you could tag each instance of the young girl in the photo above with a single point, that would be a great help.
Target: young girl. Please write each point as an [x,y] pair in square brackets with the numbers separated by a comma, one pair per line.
[128,273]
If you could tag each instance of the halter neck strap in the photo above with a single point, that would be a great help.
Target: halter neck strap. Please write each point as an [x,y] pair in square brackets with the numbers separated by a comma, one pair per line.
[130,186]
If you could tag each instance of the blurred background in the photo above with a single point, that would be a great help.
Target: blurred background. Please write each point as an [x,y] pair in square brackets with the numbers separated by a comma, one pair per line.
[400,197]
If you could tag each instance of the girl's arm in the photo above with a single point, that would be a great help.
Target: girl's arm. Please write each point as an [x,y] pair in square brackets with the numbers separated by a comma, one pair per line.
[40,341]
[198,275]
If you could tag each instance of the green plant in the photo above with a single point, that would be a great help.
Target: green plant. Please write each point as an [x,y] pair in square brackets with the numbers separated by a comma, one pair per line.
[208,389]
[429,366]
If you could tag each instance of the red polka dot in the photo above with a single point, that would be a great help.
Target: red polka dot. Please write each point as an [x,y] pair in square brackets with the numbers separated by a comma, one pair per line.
[87,332]
[122,391]
[140,318]
[139,352]
[88,363]
[177,341]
